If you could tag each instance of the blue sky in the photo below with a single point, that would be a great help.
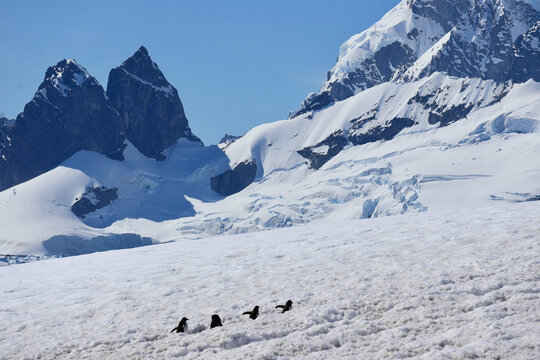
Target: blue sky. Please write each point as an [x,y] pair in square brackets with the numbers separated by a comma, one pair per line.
[236,64]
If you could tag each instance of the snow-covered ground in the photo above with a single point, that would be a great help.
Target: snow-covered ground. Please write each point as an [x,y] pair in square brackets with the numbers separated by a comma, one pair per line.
[437,285]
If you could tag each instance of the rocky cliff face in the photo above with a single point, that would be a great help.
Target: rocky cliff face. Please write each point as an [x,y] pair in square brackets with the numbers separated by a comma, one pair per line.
[68,113]
[488,39]
[150,109]
[526,62]
[486,44]
[5,127]
[234,180]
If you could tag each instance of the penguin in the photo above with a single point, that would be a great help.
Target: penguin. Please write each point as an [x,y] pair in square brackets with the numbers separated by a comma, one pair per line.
[253,313]
[216,321]
[286,307]
[182,326]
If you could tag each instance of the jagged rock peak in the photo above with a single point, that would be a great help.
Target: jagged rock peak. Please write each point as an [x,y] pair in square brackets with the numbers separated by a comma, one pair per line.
[65,75]
[141,66]
[143,50]
[68,113]
[150,109]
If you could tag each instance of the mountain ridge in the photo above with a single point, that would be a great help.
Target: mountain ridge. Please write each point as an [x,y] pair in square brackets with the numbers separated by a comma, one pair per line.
[387,50]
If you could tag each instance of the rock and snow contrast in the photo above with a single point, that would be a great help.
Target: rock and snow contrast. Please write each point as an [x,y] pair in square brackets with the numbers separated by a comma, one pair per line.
[494,39]
[460,284]
[432,114]
[434,107]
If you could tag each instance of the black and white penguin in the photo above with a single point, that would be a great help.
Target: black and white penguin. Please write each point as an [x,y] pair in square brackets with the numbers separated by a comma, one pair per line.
[182,326]
[253,313]
[286,307]
[216,321]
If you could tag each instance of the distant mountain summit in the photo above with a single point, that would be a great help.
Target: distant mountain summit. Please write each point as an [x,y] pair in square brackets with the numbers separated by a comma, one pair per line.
[71,112]
[493,39]
[68,113]
[150,109]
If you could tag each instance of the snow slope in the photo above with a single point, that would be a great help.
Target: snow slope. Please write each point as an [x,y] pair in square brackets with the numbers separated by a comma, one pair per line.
[37,210]
[439,285]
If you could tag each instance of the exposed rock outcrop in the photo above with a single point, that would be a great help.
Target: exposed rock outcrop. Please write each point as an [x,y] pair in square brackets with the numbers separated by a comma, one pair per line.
[93,199]
[234,180]
[319,154]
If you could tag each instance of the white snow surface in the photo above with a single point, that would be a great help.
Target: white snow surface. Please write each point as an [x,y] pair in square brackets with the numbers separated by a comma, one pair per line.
[456,284]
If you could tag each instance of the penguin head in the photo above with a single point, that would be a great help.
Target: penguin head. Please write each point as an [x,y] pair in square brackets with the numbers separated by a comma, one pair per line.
[215,317]
[289,302]
[184,319]
[256,309]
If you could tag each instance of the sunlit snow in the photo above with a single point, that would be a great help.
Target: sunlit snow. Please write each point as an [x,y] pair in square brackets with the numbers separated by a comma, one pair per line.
[453,285]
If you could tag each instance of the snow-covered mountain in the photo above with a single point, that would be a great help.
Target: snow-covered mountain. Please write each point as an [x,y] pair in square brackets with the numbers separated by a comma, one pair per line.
[494,39]
[434,107]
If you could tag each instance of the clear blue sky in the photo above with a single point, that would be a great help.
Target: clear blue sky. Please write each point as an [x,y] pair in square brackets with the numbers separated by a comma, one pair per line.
[236,64]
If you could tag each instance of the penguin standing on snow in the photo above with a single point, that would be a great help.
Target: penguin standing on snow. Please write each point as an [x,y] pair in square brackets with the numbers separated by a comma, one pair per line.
[286,307]
[182,326]
[216,321]
[253,314]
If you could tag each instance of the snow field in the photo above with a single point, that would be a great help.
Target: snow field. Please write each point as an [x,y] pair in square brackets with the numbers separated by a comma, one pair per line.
[438,285]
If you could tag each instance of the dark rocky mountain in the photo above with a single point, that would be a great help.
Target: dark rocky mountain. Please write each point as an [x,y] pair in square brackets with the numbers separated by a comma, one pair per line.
[493,39]
[71,112]
[68,113]
[150,109]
